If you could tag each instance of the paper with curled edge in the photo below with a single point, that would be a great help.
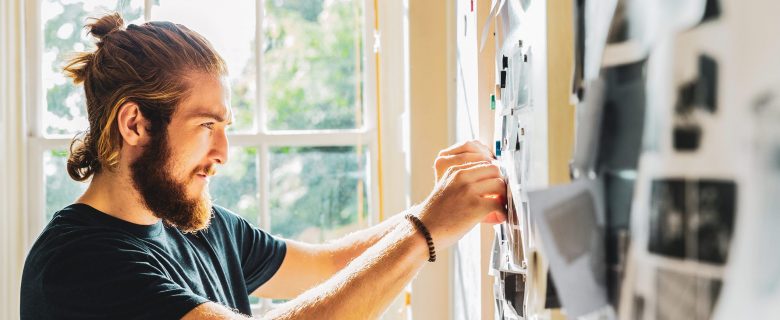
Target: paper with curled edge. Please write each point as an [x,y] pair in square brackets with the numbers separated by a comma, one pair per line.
[570,220]
[598,17]
[486,27]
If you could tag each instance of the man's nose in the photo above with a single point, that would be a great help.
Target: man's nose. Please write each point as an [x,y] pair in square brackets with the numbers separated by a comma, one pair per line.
[220,148]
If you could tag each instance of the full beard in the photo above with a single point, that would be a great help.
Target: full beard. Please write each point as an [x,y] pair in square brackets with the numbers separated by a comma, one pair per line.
[162,194]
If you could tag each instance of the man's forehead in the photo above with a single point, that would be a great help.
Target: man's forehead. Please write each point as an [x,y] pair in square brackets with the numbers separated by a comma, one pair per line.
[221,113]
[209,96]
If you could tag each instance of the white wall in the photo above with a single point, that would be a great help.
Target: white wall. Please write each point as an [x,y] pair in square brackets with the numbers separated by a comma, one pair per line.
[432,96]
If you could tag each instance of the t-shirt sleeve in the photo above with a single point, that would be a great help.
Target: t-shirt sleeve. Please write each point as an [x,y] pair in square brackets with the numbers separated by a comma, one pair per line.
[112,279]
[261,254]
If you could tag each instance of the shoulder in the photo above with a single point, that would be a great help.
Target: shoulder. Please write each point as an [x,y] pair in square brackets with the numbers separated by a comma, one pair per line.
[223,213]
[101,274]
[74,232]
[87,250]
[228,218]
[64,260]
[73,239]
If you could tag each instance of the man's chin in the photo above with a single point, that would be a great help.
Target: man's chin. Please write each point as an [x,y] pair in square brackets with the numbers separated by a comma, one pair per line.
[198,218]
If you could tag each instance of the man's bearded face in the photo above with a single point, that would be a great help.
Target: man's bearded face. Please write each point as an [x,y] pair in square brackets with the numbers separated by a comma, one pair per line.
[164,193]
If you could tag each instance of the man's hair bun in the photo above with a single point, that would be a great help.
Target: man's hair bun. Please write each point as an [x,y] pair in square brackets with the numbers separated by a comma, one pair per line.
[100,27]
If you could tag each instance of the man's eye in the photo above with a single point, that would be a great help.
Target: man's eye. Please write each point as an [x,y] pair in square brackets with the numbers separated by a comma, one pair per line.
[208,125]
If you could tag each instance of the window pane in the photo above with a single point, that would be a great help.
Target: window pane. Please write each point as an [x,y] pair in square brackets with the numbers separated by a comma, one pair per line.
[230,27]
[235,185]
[63,33]
[312,67]
[61,190]
[317,193]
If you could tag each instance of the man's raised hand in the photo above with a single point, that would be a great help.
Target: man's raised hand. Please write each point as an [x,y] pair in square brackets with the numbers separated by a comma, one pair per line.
[458,154]
[464,195]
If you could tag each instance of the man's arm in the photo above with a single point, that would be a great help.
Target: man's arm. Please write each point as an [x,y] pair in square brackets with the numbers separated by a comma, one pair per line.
[306,265]
[343,295]
[368,284]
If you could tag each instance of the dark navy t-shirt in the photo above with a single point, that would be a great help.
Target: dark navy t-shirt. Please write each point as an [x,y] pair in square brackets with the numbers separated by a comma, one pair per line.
[89,265]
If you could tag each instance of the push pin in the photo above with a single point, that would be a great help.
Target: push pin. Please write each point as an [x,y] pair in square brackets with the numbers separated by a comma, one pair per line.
[492,102]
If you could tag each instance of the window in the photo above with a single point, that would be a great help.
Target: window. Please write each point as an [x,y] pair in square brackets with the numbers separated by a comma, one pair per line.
[301,150]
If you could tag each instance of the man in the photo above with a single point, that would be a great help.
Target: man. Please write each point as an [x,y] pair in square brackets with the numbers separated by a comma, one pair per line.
[144,240]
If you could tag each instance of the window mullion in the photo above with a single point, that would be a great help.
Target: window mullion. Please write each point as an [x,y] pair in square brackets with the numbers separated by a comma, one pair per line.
[36,183]
[34,53]
[264,179]
[260,107]
[148,9]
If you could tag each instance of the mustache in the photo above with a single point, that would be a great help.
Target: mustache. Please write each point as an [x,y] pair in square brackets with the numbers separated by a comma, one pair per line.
[209,170]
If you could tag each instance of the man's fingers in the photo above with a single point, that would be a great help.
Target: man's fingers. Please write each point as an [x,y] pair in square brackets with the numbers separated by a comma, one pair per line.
[462,158]
[468,146]
[453,170]
[496,212]
[493,194]
[479,171]
[494,217]
[493,188]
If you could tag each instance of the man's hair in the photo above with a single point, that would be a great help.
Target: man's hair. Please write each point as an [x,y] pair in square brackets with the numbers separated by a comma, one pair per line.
[151,65]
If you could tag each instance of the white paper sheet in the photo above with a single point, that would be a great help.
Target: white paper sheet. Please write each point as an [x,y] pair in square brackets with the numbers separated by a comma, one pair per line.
[570,220]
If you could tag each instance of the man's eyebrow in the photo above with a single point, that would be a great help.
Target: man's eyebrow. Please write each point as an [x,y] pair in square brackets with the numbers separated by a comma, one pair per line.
[209,114]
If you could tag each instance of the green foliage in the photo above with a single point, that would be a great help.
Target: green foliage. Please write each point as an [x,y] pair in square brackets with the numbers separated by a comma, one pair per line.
[73,16]
[311,65]
[61,190]
[235,186]
[315,188]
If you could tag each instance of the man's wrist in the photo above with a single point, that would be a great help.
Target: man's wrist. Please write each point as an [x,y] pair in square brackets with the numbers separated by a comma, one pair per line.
[415,243]
[423,231]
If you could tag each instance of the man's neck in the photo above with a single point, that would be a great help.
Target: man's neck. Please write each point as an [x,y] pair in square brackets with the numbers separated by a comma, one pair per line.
[114,194]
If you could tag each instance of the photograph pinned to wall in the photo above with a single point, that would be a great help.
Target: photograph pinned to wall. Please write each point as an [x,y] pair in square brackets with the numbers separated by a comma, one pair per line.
[514,294]
[520,71]
[692,219]
[510,139]
[685,295]
[515,229]
[695,99]
[519,159]
[667,218]
[714,224]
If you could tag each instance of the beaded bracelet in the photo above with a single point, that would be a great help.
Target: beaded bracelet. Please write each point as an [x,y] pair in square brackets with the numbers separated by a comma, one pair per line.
[418,224]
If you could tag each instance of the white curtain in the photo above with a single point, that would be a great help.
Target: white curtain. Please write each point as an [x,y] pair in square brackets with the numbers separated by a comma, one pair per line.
[12,155]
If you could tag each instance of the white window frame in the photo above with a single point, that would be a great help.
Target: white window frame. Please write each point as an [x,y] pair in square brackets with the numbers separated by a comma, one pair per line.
[263,139]
[23,142]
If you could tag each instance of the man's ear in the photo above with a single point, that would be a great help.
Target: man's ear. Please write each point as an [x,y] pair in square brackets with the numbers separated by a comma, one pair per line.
[132,124]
